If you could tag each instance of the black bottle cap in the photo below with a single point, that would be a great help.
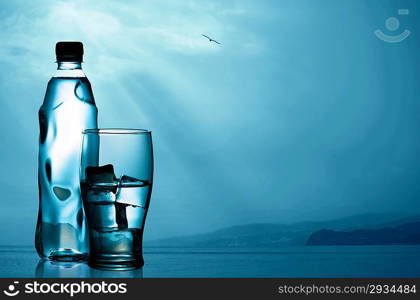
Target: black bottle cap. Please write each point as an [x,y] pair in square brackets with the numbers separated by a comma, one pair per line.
[69,51]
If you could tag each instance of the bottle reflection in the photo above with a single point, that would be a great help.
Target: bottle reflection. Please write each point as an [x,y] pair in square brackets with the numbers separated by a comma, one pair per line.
[55,269]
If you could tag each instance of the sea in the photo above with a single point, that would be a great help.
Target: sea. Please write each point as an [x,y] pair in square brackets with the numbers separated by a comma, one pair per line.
[304,261]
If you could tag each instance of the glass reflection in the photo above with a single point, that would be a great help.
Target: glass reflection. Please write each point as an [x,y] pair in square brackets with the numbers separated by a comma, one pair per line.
[96,273]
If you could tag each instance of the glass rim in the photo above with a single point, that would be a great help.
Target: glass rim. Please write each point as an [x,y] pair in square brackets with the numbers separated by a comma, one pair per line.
[99,131]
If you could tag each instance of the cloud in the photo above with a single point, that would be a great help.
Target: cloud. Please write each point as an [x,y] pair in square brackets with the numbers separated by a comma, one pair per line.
[124,33]
[234,11]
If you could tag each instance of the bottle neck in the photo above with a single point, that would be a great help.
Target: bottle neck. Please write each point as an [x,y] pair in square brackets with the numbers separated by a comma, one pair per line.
[69,69]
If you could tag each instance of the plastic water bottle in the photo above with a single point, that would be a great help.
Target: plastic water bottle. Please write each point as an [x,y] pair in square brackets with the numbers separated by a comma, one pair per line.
[67,110]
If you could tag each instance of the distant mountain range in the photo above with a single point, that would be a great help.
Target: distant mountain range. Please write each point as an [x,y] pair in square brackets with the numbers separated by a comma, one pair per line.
[374,227]
[405,234]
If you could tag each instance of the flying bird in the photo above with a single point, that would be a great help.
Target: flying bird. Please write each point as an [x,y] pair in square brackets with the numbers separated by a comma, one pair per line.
[210,39]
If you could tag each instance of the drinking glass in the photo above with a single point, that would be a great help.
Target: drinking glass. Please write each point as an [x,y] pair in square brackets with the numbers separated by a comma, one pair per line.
[116,182]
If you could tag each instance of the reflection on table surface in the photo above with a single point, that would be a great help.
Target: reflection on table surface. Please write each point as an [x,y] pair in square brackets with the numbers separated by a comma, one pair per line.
[56,269]
[299,261]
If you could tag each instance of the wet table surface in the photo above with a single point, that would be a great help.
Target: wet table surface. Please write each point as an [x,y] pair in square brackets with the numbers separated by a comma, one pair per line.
[306,261]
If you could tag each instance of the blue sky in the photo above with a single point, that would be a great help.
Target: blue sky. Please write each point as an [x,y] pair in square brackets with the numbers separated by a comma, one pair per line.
[302,112]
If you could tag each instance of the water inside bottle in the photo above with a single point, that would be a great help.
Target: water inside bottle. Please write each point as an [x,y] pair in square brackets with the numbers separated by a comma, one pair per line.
[68,109]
